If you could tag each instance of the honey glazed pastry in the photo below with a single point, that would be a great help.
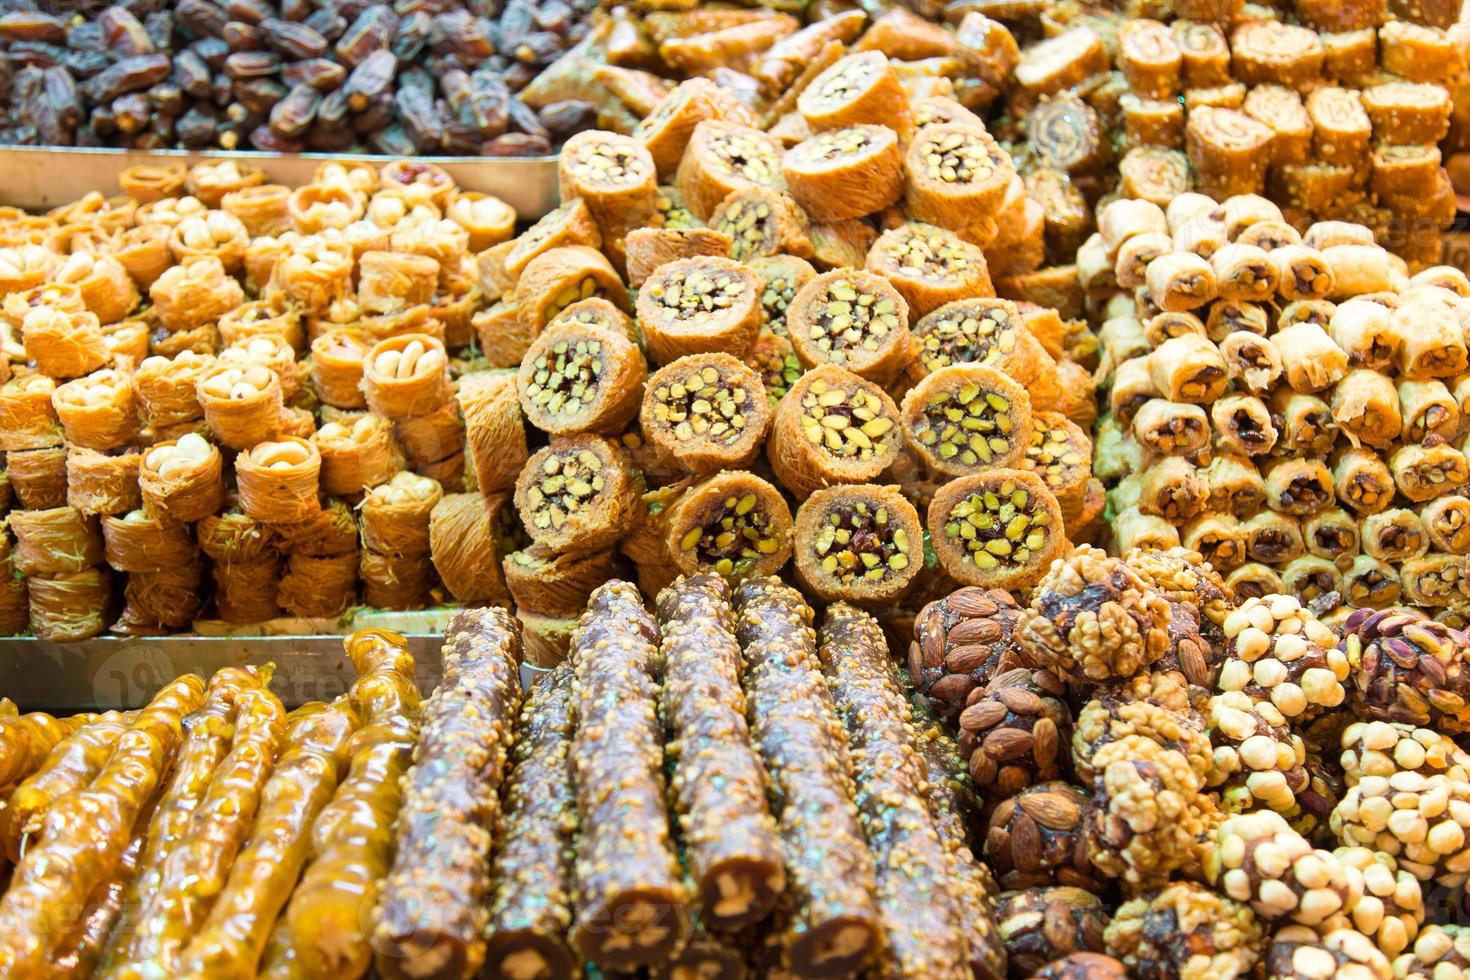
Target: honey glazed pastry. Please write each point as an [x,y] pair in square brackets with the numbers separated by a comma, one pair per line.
[406,376]
[930,266]
[966,418]
[182,480]
[860,544]
[852,319]
[759,222]
[832,427]
[699,305]
[997,529]
[845,173]
[956,176]
[579,493]
[733,524]
[860,88]
[279,481]
[705,412]
[723,157]
[578,377]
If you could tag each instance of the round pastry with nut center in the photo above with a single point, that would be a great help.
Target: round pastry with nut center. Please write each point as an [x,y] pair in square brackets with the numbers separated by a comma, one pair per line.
[930,266]
[733,524]
[966,418]
[845,173]
[577,377]
[982,330]
[858,543]
[705,412]
[832,427]
[699,305]
[851,319]
[579,493]
[999,529]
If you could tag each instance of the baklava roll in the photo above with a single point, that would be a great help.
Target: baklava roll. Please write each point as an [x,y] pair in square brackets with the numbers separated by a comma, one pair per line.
[1299,486]
[1181,281]
[858,544]
[580,377]
[1173,488]
[723,157]
[337,360]
[63,345]
[468,533]
[1188,369]
[981,330]
[279,481]
[1152,125]
[1310,360]
[929,266]
[433,444]
[1428,409]
[851,319]
[1253,581]
[1366,407]
[98,411]
[775,360]
[1134,529]
[1431,340]
[1060,452]
[1093,269]
[997,529]
[1310,578]
[182,480]
[102,483]
[246,592]
[556,583]
[391,282]
[150,182]
[495,433]
[242,405]
[1244,273]
[613,174]
[737,233]
[504,338]
[860,88]
[1362,481]
[965,418]
[845,173]
[1333,534]
[69,606]
[1273,538]
[194,293]
[1252,362]
[1447,523]
[1306,422]
[406,376]
[1363,330]
[1394,535]
[1357,269]
[55,540]
[955,175]
[1151,61]
[1202,235]
[667,130]
[1235,484]
[1433,580]
[699,305]
[1370,584]
[1167,326]
[136,542]
[1425,472]
[1167,427]
[1243,424]
[318,586]
[1302,272]
[1228,317]
[38,476]
[1132,387]
[598,312]
[733,524]
[706,412]
[211,180]
[1219,538]
[357,453]
[1123,218]
[396,515]
[833,427]
[579,493]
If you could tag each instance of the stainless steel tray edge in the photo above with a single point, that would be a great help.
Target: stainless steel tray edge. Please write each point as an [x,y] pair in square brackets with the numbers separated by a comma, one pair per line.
[40,178]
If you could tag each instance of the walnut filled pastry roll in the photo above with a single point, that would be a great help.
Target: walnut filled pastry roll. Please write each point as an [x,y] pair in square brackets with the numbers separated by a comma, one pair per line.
[1244,273]
[1253,580]
[1188,369]
[1173,488]
[279,481]
[857,544]
[1167,325]
[1227,317]
[1423,472]
[733,524]
[1431,340]
[357,453]
[1428,409]
[1363,329]
[832,427]
[1362,481]
[706,412]
[1333,534]
[1132,387]
[1272,537]
[965,418]
[1357,269]
[1310,578]
[182,480]
[1243,424]
[579,493]
[1366,406]
[1134,529]
[1310,360]
[1394,535]
[577,377]
[996,529]
[1299,486]
[1251,361]
[1167,427]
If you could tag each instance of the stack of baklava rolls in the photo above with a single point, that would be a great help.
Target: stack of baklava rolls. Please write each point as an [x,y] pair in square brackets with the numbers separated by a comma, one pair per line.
[1290,405]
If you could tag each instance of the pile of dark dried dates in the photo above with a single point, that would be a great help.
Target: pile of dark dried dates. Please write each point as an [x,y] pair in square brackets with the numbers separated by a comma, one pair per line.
[414,77]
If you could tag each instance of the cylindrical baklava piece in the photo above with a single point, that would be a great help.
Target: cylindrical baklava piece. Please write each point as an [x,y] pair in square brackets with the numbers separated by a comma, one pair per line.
[845,173]
[55,540]
[1167,427]
[833,427]
[852,319]
[699,305]
[559,277]
[1363,329]
[243,405]
[279,481]
[1424,472]
[613,174]
[1243,425]
[733,524]
[858,544]
[1219,538]
[579,493]
[1235,484]
[723,157]
[1251,361]
[136,542]
[357,453]
[1394,535]
[965,418]
[1188,369]
[494,429]
[37,476]
[1447,523]
[69,606]
[705,412]
[396,515]
[1181,281]
[64,345]
[1273,538]
[1060,452]
[955,175]
[182,480]
[579,377]
[1310,578]
[1134,529]
[930,266]
[997,529]
[1362,481]
[860,88]
[102,483]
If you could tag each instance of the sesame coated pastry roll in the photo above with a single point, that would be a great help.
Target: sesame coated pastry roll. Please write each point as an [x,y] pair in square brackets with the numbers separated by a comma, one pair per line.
[632,907]
[102,483]
[852,319]
[1447,523]
[357,453]
[699,305]
[431,914]
[243,405]
[1244,273]
[929,266]
[832,926]
[613,174]
[733,523]
[530,905]
[723,157]
[579,493]
[1333,534]
[1243,425]
[997,529]
[1424,472]
[717,779]
[577,377]
[279,481]
[1228,149]
[1394,535]
[1181,281]
[1188,369]
[1407,113]
[1174,488]
[648,248]
[706,412]
[858,544]
[1431,341]
[845,173]
[1167,427]
[1060,452]
[1310,360]
[63,345]
[924,926]
[954,175]
[559,277]
[396,515]
[406,376]
[833,427]
[1281,109]
[1363,329]
[1150,59]
[182,480]
[965,418]
[1362,481]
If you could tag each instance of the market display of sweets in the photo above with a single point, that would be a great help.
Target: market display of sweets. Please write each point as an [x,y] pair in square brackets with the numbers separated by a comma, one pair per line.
[1288,405]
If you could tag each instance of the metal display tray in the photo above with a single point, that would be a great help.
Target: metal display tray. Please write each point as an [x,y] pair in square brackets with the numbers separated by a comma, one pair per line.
[40,178]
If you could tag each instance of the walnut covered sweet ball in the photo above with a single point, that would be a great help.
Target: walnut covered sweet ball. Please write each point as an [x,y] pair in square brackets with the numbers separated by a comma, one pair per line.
[1408,668]
[1093,618]
[1185,930]
[960,643]
[1183,575]
[1037,837]
[1015,732]
[1280,652]
[1038,924]
[1302,953]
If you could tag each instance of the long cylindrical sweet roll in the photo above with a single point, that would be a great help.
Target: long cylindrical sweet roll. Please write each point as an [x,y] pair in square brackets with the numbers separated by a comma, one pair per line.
[1333,534]
[1394,535]
[1362,481]
[1173,488]
[1371,583]
[1243,424]
[72,763]
[632,908]
[1219,538]
[832,927]
[845,173]
[1428,409]
[1171,428]
[1188,369]
[1272,538]
[1447,522]
[1306,423]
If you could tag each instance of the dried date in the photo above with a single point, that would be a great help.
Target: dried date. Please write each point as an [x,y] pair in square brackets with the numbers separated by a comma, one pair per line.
[248,11]
[252,64]
[372,78]
[327,22]
[516,145]
[297,42]
[127,75]
[259,94]
[197,126]
[319,73]
[200,18]
[213,51]
[371,31]
[32,25]
[133,112]
[293,115]
[241,36]
[124,33]
[192,75]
